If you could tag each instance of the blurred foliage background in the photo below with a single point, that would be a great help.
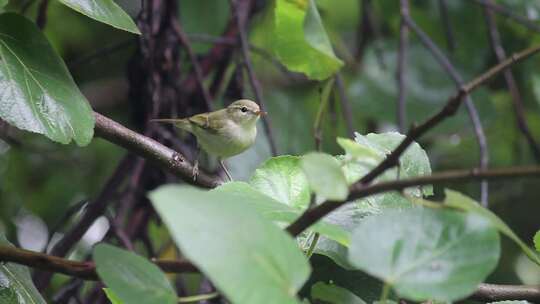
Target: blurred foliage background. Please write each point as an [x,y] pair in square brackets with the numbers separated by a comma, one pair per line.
[40,180]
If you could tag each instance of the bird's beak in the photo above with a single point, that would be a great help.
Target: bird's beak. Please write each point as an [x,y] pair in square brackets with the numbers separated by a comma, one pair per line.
[260,113]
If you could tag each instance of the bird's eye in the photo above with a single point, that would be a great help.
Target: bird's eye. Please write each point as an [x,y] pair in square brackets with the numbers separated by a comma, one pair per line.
[244,109]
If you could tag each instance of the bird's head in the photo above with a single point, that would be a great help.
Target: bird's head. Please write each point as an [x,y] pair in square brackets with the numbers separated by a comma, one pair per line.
[244,112]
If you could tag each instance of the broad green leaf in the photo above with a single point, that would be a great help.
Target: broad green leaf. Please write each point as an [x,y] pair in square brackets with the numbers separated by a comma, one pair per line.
[132,278]
[37,92]
[105,11]
[330,293]
[278,212]
[246,256]
[16,286]
[296,29]
[112,296]
[537,241]
[350,215]
[414,162]
[359,152]
[325,176]
[282,179]
[3,3]
[426,253]
[457,200]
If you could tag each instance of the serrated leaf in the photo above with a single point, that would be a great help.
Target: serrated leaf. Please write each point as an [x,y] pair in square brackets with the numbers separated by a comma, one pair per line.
[296,29]
[16,286]
[333,294]
[132,278]
[425,253]
[457,200]
[278,212]
[37,92]
[325,176]
[282,179]
[245,256]
[105,11]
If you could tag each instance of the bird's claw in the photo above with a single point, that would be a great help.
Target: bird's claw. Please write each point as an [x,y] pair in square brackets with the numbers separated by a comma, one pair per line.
[195,170]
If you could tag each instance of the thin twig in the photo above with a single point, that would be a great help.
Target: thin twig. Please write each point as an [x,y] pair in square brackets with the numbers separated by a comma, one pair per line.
[83,270]
[496,45]
[401,66]
[499,9]
[445,18]
[184,40]
[359,190]
[415,132]
[97,54]
[241,17]
[471,109]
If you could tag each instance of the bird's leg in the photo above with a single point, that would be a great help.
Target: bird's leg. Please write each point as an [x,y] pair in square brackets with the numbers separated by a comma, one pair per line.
[195,170]
[222,164]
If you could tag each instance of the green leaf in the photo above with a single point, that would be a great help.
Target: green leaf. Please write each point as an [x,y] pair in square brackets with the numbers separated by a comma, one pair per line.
[278,212]
[457,200]
[3,3]
[112,296]
[360,152]
[299,40]
[247,257]
[105,11]
[413,162]
[282,179]
[537,241]
[330,293]
[350,215]
[16,286]
[37,92]
[510,302]
[132,278]
[325,176]
[425,253]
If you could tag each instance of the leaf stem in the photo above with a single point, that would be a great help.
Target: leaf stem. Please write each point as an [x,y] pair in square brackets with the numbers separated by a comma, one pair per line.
[312,246]
[384,293]
[197,298]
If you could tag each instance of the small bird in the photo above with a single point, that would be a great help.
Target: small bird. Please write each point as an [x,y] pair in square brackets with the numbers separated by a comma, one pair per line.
[222,133]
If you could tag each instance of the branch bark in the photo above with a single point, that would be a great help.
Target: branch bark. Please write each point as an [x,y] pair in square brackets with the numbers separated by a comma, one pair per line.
[83,270]
[152,150]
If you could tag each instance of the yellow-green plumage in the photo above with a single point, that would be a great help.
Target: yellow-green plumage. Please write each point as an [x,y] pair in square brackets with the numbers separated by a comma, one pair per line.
[226,132]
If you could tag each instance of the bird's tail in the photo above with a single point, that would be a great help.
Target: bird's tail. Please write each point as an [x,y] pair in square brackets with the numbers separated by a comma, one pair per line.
[178,122]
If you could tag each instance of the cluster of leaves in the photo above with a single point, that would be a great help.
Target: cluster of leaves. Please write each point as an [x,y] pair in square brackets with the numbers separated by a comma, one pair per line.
[423,250]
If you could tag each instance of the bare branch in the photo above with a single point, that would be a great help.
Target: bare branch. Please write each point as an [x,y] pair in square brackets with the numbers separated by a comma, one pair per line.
[471,109]
[152,150]
[313,215]
[83,270]
[496,45]
[499,9]
[494,292]
[401,67]
[359,190]
[450,41]
[254,82]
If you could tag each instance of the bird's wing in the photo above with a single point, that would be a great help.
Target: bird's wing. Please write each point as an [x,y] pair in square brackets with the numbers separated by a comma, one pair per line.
[209,121]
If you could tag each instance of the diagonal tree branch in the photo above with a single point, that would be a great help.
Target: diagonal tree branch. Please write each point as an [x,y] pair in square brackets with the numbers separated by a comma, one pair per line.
[313,215]
[471,109]
[496,45]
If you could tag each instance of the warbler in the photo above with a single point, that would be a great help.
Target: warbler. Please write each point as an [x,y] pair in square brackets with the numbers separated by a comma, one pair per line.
[223,133]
